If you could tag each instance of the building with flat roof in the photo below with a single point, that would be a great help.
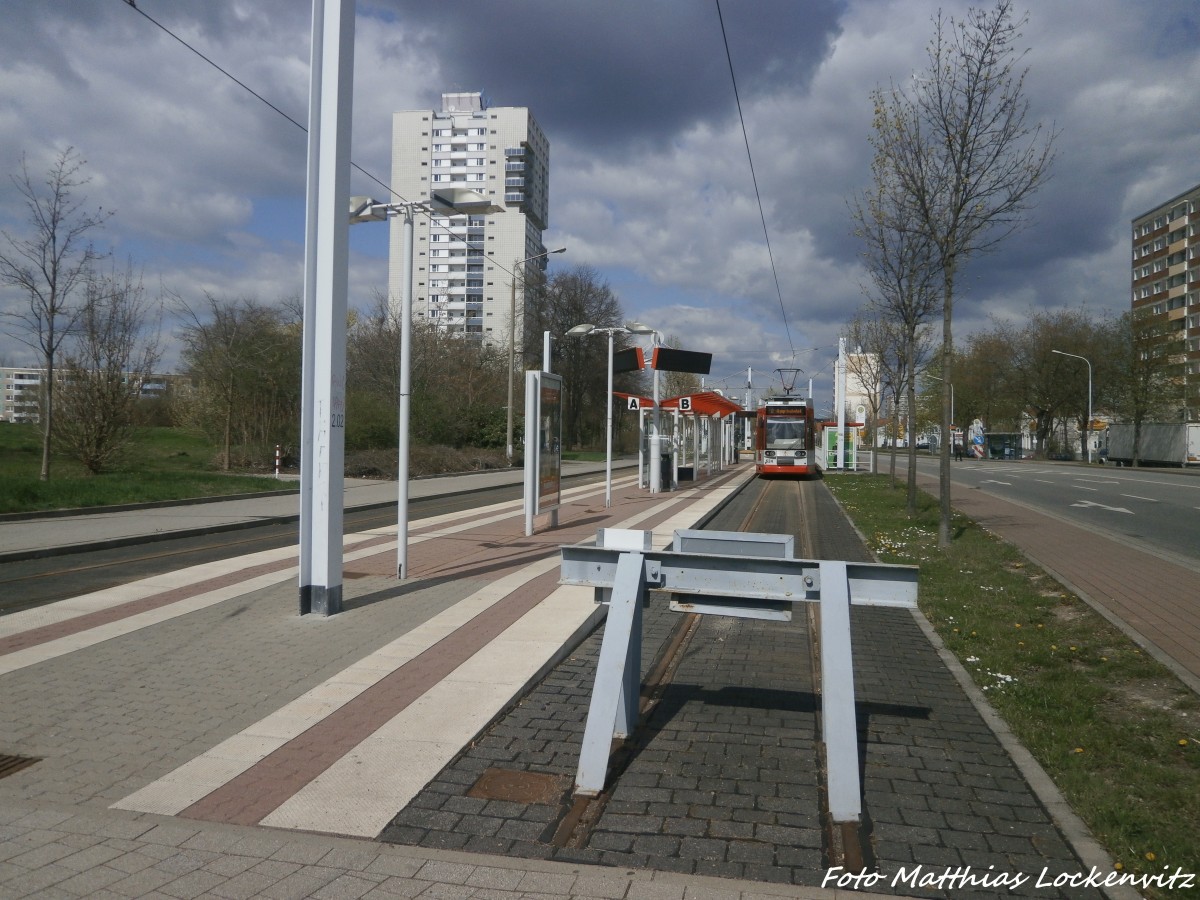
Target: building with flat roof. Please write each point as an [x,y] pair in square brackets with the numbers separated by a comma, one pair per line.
[1166,283]
[20,394]
[462,265]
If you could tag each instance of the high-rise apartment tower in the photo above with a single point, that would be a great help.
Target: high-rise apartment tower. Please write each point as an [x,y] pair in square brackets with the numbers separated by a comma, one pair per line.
[1166,284]
[463,265]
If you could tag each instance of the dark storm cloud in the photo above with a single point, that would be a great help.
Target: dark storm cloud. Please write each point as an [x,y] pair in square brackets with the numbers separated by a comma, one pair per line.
[626,71]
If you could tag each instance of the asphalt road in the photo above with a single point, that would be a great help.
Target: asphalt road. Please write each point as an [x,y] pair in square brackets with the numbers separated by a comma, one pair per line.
[1153,509]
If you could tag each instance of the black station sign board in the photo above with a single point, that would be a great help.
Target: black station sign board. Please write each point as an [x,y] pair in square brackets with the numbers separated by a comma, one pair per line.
[668,359]
[630,360]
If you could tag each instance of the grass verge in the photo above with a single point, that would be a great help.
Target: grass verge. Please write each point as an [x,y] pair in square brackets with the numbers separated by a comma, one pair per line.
[1116,730]
[161,464]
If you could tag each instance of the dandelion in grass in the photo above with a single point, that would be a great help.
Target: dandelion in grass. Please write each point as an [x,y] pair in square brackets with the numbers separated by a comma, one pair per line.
[1150,856]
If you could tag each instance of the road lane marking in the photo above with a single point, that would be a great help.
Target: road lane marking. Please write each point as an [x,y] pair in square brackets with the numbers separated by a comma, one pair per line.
[1086,503]
[1136,497]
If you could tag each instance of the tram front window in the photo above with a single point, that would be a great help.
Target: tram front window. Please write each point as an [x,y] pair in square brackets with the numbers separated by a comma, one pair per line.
[785,434]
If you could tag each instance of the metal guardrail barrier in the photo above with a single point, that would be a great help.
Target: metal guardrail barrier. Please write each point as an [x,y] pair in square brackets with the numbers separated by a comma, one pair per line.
[744,575]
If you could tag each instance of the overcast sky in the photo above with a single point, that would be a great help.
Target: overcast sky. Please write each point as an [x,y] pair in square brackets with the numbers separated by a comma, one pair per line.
[650,183]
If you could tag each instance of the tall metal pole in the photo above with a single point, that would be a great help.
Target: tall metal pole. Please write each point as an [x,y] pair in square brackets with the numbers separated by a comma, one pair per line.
[655,436]
[1087,438]
[327,280]
[608,423]
[512,354]
[308,348]
[405,396]
[840,395]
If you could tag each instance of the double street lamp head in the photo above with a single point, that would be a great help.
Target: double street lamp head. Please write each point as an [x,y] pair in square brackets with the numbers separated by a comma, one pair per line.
[628,328]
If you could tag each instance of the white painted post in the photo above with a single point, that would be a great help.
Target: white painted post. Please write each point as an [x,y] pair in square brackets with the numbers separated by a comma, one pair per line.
[326,270]
[839,724]
[405,395]
[840,393]
[611,697]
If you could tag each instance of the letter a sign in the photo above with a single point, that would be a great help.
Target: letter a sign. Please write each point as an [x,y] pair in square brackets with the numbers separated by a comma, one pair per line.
[632,404]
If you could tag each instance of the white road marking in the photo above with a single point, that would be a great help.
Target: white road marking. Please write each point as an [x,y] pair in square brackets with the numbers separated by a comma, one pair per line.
[1086,503]
[1136,497]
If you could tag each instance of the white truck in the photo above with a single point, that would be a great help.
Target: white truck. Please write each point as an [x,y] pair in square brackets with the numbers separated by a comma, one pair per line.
[1158,444]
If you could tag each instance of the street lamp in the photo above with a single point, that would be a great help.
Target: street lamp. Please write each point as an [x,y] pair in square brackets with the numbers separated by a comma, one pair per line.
[1087,432]
[447,201]
[582,331]
[512,337]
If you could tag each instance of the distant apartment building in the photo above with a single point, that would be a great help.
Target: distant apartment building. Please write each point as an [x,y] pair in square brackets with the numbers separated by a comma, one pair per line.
[462,264]
[1166,282]
[21,394]
[22,390]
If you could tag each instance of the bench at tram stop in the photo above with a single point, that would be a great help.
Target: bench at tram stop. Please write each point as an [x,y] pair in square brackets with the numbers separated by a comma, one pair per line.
[739,574]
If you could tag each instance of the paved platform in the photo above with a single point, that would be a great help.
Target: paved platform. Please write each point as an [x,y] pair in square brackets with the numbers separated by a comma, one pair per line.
[195,737]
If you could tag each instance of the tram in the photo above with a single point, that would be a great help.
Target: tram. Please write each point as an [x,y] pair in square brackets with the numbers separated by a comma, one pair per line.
[785,438]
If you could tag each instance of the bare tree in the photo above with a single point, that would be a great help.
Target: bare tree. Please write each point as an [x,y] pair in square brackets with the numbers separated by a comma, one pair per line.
[870,365]
[964,158]
[244,359]
[903,269]
[111,355]
[48,266]
[574,297]
[1147,383]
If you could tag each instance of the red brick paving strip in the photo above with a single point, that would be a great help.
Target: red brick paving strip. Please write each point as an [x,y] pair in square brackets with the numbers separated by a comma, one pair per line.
[35,636]
[256,793]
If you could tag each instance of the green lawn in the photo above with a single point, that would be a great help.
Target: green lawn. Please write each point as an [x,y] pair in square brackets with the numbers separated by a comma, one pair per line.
[1116,730]
[161,464]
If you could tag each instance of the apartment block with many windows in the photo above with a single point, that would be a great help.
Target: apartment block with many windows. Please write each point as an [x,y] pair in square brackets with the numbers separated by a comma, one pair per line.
[20,400]
[1166,282]
[462,264]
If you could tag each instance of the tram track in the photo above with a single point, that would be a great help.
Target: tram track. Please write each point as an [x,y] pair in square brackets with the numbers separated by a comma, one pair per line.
[575,827]
[775,506]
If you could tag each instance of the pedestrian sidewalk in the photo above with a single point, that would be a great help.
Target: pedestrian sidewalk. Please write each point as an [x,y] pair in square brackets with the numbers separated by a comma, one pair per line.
[1152,600]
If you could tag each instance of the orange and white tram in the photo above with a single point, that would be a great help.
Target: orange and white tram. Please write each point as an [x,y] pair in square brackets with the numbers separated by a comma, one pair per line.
[785,438]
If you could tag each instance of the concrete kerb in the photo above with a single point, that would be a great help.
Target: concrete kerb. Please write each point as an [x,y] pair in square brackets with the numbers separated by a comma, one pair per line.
[410,870]
[1073,828]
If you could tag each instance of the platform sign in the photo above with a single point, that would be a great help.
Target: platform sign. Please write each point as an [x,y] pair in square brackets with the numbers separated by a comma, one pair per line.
[543,445]
[630,360]
[669,359]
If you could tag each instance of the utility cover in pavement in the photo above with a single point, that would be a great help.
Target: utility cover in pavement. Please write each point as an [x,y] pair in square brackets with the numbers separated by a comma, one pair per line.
[519,787]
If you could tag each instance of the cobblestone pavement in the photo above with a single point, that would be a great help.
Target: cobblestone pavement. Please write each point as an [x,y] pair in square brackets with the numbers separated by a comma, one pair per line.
[725,779]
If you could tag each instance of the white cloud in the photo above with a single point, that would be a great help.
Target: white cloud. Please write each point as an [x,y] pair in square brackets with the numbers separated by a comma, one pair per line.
[650,182]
